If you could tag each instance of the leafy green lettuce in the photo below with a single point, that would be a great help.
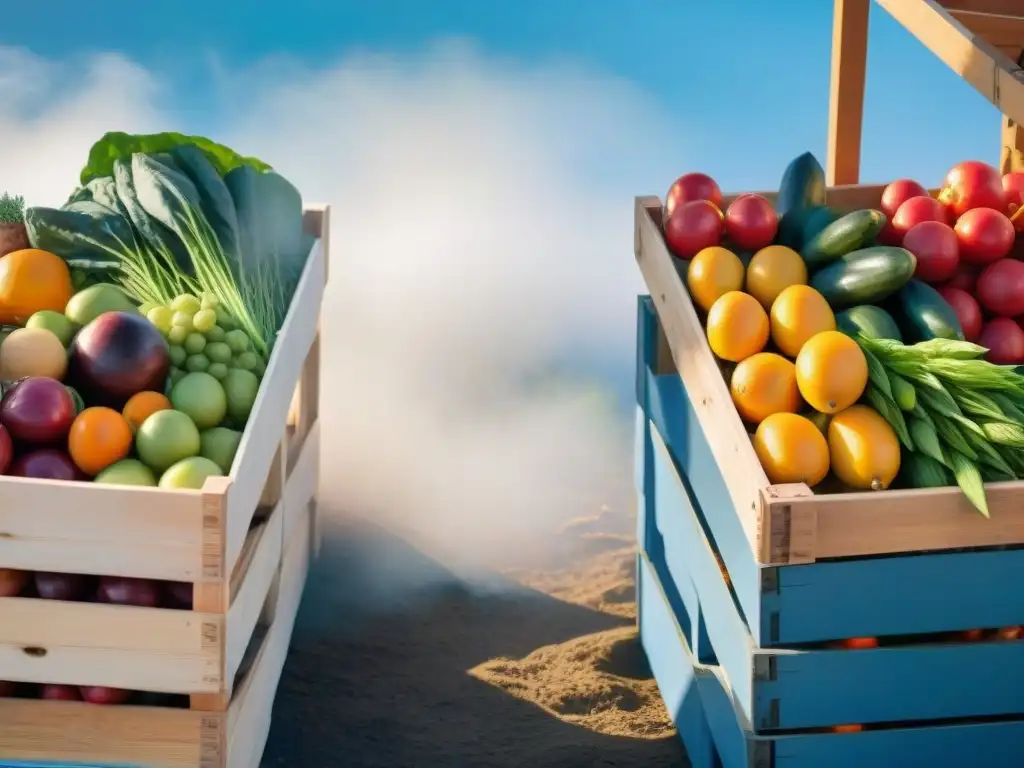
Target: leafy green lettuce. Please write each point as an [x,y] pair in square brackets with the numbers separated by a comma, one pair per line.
[121,146]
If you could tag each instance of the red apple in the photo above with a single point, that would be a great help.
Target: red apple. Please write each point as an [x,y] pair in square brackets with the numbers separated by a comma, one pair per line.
[38,411]
[897,193]
[694,226]
[967,310]
[973,184]
[1001,288]
[751,222]
[965,278]
[985,235]
[935,245]
[54,692]
[689,187]
[1013,188]
[121,590]
[913,212]
[96,694]
[1004,341]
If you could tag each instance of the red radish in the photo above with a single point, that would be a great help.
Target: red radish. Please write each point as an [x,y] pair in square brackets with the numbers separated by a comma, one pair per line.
[8,689]
[121,590]
[914,211]
[60,586]
[967,310]
[54,692]
[751,222]
[897,193]
[973,184]
[1004,341]
[12,581]
[96,694]
[985,235]
[693,227]
[1001,288]
[935,246]
[689,187]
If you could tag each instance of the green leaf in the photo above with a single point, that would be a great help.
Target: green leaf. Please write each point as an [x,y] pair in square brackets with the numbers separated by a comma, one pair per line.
[968,477]
[84,230]
[889,411]
[876,372]
[926,439]
[950,349]
[121,146]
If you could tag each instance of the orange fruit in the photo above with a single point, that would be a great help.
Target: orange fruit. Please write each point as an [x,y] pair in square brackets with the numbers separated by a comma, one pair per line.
[797,314]
[737,326]
[831,371]
[772,270]
[143,405]
[32,280]
[864,448]
[98,438]
[713,272]
[764,384]
[1010,633]
[791,449]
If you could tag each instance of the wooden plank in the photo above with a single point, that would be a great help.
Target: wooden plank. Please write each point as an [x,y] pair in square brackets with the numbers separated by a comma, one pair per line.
[100,529]
[85,734]
[997,7]
[301,485]
[999,30]
[978,62]
[697,367]
[846,92]
[1011,157]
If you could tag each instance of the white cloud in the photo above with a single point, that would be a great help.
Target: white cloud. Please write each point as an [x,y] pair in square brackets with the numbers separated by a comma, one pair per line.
[482,232]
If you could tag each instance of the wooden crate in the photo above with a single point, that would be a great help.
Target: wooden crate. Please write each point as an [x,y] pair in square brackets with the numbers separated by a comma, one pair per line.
[243,542]
[735,644]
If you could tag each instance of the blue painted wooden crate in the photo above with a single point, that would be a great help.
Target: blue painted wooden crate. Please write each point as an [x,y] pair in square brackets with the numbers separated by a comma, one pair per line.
[741,656]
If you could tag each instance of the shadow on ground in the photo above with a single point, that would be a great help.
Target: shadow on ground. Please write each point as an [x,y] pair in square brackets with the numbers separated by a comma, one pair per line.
[378,673]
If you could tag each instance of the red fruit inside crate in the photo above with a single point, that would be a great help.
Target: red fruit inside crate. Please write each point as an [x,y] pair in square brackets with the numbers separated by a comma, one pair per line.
[121,590]
[985,235]
[12,582]
[1001,288]
[38,411]
[693,227]
[967,310]
[53,692]
[897,193]
[6,449]
[46,464]
[1004,340]
[914,211]
[858,643]
[1010,633]
[61,586]
[935,246]
[8,689]
[95,694]
[690,187]
[177,594]
[965,278]
[973,184]
[751,222]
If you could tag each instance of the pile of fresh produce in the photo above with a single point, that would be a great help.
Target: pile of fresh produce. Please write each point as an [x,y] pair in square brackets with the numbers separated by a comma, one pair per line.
[871,348]
[137,322]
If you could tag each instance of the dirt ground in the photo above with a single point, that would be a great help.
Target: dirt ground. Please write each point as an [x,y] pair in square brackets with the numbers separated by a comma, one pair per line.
[538,667]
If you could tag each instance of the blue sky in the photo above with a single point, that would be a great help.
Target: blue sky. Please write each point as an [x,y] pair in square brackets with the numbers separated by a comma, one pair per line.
[746,82]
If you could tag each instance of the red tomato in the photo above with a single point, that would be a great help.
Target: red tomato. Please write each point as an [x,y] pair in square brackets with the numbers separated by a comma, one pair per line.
[935,246]
[751,222]
[897,193]
[985,235]
[914,211]
[1004,341]
[1001,288]
[689,187]
[1013,186]
[694,226]
[967,309]
[53,692]
[971,185]
[96,694]
[888,235]
[966,278]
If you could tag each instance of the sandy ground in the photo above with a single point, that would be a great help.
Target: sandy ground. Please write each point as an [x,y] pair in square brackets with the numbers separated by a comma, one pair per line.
[398,662]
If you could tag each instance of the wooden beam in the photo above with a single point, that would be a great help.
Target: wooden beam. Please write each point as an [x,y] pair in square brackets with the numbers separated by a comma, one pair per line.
[846,97]
[997,7]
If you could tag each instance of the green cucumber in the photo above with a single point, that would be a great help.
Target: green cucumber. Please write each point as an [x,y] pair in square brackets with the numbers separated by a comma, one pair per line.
[866,276]
[816,219]
[867,320]
[844,235]
[802,187]
[926,315]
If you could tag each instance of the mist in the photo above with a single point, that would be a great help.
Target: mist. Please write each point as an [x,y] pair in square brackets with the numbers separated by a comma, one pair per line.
[478,328]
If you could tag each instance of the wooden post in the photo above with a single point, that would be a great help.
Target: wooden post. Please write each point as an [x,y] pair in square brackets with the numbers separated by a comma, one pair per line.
[846,98]
[1012,156]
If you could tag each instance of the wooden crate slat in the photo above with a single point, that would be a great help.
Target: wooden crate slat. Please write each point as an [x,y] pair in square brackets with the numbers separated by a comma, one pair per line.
[846,92]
